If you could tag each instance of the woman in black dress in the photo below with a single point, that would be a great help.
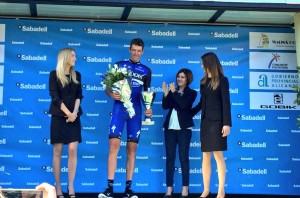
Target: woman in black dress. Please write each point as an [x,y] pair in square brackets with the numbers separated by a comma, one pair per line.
[66,93]
[215,120]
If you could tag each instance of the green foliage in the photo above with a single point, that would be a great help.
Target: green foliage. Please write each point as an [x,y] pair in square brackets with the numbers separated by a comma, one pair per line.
[114,74]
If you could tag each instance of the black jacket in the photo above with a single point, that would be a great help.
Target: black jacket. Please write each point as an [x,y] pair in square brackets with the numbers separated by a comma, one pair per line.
[182,104]
[66,95]
[215,104]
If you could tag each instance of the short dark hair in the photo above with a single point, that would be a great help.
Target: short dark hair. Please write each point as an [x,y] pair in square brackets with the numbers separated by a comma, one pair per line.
[188,73]
[138,42]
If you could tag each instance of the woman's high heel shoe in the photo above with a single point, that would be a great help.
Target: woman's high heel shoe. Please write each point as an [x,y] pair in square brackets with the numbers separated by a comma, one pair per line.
[71,195]
[60,196]
[170,195]
[206,195]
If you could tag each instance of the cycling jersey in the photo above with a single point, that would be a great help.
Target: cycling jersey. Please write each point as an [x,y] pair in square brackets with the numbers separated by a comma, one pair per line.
[140,79]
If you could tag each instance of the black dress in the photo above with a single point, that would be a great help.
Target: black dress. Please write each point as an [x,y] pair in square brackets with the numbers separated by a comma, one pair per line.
[216,113]
[60,130]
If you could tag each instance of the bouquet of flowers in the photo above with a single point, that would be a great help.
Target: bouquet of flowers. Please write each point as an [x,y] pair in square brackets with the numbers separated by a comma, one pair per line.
[116,79]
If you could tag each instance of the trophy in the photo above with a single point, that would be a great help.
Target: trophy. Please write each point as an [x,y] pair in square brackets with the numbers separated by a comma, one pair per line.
[148,98]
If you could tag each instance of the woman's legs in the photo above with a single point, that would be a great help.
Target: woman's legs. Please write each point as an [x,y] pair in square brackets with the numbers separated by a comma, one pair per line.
[56,164]
[170,145]
[221,166]
[206,172]
[72,164]
[184,140]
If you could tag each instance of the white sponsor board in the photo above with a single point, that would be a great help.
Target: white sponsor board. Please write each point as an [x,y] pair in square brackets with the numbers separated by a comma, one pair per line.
[272,61]
[2,32]
[273,101]
[272,41]
[2,47]
[273,80]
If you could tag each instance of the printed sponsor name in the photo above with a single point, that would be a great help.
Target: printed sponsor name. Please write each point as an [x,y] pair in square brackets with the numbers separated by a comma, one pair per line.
[88,157]
[250,117]
[4,126]
[91,142]
[35,127]
[131,32]
[88,184]
[98,60]
[89,128]
[18,42]
[91,169]
[16,71]
[66,29]
[33,29]
[255,171]
[32,86]
[253,145]
[225,35]
[3,113]
[6,155]
[25,141]
[33,58]
[98,31]
[94,88]
[3,141]
[162,61]
[162,33]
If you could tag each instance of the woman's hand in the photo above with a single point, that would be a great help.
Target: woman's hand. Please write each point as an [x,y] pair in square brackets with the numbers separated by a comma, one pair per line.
[225,130]
[71,117]
[165,88]
[172,87]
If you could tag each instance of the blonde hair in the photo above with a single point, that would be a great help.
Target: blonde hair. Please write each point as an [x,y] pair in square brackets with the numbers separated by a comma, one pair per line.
[62,60]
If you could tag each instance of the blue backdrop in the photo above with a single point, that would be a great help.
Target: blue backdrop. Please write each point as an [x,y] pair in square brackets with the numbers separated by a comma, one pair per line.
[260,63]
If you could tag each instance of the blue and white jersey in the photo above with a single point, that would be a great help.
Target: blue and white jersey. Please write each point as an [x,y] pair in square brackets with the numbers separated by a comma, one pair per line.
[140,77]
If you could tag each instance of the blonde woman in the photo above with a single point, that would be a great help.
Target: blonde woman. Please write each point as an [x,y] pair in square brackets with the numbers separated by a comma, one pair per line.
[66,93]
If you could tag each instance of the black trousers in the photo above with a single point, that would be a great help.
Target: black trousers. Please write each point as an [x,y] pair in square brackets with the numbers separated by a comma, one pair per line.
[182,138]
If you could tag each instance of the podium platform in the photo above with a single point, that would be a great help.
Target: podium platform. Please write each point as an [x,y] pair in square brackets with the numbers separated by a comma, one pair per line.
[20,193]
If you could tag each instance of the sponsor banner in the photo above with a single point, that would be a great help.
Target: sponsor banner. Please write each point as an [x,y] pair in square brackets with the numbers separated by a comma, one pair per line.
[273,101]
[273,80]
[272,41]
[272,61]
[28,51]
[2,32]
[2,47]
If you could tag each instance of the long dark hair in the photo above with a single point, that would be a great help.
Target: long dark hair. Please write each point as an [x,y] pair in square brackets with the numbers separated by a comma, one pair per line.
[211,63]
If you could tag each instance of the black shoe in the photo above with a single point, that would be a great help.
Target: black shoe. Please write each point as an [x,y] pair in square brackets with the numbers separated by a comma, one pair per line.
[129,194]
[108,193]
[206,196]
[170,195]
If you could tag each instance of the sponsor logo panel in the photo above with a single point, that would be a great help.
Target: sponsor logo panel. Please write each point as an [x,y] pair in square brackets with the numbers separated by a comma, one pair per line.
[272,41]
[2,32]
[272,61]
[273,80]
[2,48]
[273,101]
[1,95]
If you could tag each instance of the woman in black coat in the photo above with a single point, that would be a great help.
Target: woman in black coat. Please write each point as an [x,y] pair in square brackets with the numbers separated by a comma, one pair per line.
[178,127]
[66,93]
[215,120]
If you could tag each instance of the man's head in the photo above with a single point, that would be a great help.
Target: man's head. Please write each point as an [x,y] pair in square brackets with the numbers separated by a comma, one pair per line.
[136,49]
